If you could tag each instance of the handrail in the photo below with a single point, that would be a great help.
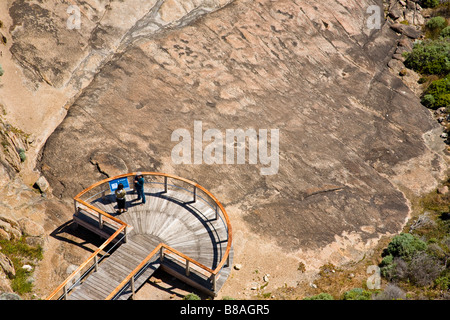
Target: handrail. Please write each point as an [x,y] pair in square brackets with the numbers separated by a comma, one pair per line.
[136,270]
[147,259]
[85,263]
[90,206]
[77,198]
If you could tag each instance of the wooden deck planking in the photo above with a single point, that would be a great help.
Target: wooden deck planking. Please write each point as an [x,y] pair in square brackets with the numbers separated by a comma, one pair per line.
[112,271]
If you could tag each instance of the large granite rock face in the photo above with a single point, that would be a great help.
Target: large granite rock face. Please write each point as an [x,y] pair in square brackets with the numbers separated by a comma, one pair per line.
[351,133]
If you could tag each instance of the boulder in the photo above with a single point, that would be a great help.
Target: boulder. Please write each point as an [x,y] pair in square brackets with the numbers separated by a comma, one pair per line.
[9,229]
[31,228]
[9,296]
[42,184]
[407,30]
[7,266]
[443,190]
[395,11]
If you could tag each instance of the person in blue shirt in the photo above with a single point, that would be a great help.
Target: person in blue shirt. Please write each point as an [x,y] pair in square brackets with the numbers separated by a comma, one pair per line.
[139,185]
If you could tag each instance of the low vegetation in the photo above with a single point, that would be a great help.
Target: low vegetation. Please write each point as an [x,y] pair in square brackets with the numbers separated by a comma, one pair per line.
[21,253]
[431,58]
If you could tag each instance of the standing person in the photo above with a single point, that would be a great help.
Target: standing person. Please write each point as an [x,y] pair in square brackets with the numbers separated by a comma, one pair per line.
[139,183]
[120,197]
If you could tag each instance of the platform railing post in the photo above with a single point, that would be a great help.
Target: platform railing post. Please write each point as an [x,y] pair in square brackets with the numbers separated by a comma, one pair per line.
[165,184]
[161,254]
[132,287]
[65,292]
[195,195]
[188,269]
[100,221]
[96,263]
[213,282]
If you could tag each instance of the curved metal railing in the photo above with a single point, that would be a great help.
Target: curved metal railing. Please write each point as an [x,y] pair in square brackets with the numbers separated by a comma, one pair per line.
[123,228]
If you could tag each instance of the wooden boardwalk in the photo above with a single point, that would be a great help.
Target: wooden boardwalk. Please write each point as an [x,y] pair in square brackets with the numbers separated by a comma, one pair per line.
[171,218]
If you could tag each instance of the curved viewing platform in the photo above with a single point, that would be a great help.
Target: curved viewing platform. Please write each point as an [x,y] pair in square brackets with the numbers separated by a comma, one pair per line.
[181,228]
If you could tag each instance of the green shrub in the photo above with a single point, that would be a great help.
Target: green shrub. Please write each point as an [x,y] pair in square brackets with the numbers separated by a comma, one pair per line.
[394,268]
[21,283]
[191,296]
[405,245]
[357,294]
[443,283]
[22,155]
[436,23]
[320,296]
[20,252]
[1,71]
[387,260]
[428,101]
[19,248]
[440,91]
[429,3]
[445,33]
[430,57]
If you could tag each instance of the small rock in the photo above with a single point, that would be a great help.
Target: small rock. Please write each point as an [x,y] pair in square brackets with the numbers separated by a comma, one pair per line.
[42,184]
[395,14]
[9,296]
[408,31]
[31,228]
[351,275]
[237,266]
[27,268]
[266,278]
[444,135]
[405,43]
[443,190]
[9,229]
[312,285]
[400,57]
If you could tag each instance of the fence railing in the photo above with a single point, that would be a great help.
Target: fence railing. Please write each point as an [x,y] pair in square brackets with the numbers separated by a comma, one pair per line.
[92,192]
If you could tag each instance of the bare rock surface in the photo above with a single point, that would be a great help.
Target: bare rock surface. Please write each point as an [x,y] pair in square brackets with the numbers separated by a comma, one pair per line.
[313,71]
[351,132]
